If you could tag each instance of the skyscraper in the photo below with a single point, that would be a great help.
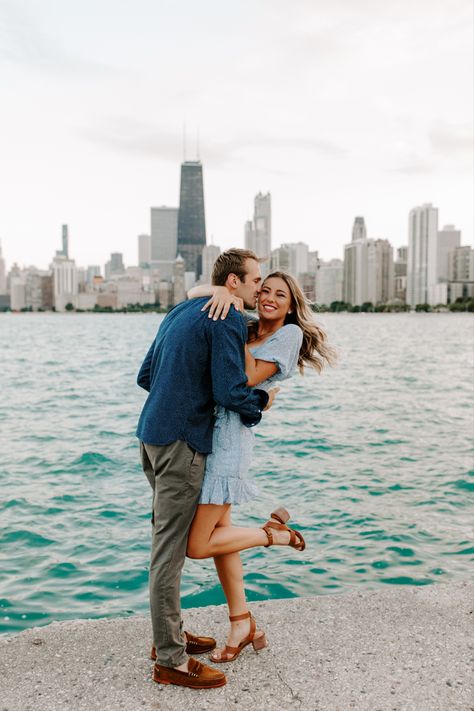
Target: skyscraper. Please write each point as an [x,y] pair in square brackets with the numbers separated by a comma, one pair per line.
[191,217]
[449,238]
[258,232]
[291,257]
[64,252]
[359,230]
[114,266]
[64,282]
[65,238]
[209,255]
[355,265]
[400,274]
[422,248]
[163,234]
[379,271]
[329,281]
[144,250]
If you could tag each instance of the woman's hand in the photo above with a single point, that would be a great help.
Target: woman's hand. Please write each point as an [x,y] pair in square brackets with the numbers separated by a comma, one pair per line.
[271,396]
[220,303]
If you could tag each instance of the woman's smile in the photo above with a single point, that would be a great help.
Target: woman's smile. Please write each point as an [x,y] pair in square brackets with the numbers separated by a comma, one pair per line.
[275,299]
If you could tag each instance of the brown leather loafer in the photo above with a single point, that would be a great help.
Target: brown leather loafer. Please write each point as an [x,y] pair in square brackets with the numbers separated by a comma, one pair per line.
[198,676]
[194,645]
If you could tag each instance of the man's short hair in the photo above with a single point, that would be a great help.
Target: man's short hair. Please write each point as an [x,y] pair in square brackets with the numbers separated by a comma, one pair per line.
[232,261]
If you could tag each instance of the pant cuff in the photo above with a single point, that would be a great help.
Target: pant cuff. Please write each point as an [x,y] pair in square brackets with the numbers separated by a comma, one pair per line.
[176,662]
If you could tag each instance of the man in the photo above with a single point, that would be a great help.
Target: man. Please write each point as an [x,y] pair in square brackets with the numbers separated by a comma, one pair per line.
[193,363]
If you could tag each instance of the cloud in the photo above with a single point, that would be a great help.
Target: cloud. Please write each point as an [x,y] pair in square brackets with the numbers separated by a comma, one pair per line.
[416,166]
[131,136]
[450,140]
[23,42]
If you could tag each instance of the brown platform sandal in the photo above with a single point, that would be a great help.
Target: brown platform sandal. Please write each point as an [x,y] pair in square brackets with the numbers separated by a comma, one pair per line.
[259,643]
[281,515]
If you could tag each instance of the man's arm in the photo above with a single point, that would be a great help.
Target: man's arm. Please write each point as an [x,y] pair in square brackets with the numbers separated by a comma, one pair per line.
[229,381]
[143,377]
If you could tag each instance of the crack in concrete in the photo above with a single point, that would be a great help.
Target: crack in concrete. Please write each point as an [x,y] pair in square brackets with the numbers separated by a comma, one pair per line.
[295,697]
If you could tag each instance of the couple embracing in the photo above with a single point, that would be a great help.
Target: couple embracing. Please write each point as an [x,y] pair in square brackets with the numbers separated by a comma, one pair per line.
[210,373]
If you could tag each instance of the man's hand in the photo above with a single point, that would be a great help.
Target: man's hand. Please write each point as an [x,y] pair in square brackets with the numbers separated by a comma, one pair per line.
[271,396]
[220,303]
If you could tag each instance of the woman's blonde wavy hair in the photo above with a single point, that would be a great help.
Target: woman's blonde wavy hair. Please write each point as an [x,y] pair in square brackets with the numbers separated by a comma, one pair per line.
[315,350]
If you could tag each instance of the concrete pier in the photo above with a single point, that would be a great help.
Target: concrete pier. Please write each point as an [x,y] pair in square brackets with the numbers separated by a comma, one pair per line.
[399,649]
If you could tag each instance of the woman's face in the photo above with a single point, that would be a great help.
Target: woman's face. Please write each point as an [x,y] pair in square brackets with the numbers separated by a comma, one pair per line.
[274,300]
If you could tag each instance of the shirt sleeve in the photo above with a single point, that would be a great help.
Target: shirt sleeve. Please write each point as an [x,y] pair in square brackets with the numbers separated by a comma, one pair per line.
[283,348]
[229,381]
[143,377]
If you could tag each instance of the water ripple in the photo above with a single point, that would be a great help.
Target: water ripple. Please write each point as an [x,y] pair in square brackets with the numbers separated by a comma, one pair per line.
[374,459]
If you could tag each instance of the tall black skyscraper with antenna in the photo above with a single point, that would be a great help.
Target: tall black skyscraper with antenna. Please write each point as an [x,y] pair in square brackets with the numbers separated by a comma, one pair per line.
[191,218]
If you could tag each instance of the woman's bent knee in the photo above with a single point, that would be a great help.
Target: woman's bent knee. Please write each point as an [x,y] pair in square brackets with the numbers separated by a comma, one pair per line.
[196,552]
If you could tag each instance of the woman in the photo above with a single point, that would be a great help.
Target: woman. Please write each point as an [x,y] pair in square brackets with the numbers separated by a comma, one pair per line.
[284,336]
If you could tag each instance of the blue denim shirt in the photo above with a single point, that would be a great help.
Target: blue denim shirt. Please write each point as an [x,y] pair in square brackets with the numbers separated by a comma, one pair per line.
[194,363]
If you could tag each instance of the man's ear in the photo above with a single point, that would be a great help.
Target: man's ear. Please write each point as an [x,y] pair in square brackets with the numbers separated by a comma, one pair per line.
[232,281]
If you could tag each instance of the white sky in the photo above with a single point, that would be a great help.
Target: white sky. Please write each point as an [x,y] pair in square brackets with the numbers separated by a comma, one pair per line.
[353,107]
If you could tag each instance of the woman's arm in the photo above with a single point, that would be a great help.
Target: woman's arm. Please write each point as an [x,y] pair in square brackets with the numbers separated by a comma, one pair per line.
[220,302]
[201,290]
[257,370]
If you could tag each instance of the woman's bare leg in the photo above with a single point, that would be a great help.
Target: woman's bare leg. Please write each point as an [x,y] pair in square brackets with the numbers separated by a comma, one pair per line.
[228,565]
[207,539]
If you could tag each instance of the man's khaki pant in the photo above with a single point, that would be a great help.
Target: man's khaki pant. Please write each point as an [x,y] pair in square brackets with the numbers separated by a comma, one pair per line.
[175,472]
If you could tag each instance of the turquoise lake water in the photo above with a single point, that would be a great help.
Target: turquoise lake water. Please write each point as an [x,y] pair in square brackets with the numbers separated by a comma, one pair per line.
[373,459]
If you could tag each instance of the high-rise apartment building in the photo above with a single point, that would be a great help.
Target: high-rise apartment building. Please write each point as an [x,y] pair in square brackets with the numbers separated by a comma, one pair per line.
[163,234]
[209,255]
[461,264]
[144,250]
[38,289]
[258,232]
[449,238]
[400,275]
[17,293]
[298,252]
[280,259]
[191,216]
[115,266]
[355,265]
[329,281]
[379,271]
[422,250]
[291,257]
[93,270]
[461,273]
[65,286]
[313,261]
[3,275]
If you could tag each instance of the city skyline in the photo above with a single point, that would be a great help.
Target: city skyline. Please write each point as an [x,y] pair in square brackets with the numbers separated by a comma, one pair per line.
[433,269]
[156,211]
[357,109]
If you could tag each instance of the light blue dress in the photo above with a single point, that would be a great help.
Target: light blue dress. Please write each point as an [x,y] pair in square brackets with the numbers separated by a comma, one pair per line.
[226,469]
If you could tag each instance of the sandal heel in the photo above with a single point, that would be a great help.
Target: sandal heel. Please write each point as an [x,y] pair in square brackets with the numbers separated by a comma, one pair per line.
[280,514]
[259,643]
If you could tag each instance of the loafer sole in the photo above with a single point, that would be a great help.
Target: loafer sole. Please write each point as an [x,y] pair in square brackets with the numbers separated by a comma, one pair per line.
[192,685]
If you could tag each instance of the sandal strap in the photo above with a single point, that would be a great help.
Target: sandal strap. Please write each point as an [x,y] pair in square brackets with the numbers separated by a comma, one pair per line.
[236,618]
[253,628]
[267,530]
[299,544]
[231,650]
